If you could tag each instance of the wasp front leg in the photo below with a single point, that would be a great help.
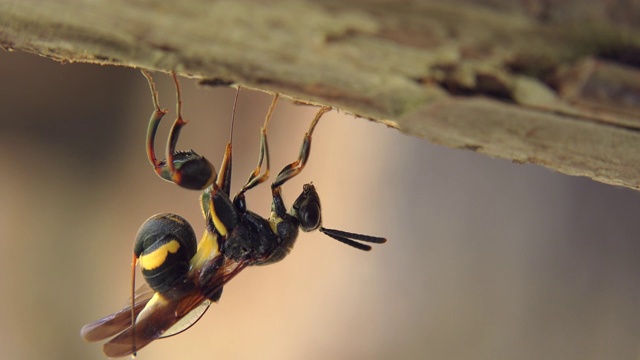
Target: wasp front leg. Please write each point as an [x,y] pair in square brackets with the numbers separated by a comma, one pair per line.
[185,168]
[296,167]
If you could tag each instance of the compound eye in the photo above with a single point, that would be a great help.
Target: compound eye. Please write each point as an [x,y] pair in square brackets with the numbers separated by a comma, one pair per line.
[309,216]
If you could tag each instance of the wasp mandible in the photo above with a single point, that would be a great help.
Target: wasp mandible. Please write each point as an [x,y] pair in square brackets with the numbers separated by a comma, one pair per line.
[184,277]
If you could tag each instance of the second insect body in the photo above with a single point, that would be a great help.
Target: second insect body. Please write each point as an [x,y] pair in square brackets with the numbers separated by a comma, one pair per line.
[184,277]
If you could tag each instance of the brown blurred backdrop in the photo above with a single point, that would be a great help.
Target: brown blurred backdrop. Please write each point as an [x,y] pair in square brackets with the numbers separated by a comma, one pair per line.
[485,260]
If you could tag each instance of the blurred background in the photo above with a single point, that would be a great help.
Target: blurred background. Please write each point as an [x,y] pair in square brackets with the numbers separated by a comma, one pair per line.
[485,260]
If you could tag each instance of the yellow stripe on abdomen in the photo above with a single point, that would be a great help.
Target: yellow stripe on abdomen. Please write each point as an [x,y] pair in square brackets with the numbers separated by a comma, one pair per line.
[156,258]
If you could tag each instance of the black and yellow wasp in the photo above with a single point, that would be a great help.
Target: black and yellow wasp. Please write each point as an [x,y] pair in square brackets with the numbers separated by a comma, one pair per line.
[184,277]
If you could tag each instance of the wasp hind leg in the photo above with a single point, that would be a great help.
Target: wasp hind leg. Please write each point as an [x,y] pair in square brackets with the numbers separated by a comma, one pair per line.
[154,122]
[184,168]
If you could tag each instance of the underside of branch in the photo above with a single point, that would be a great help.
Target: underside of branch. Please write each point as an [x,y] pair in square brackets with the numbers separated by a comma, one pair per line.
[555,84]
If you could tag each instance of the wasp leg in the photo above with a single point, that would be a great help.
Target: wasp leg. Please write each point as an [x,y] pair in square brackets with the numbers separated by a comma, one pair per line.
[176,177]
[154,122]
[220,213]
[184,168]
[296,167]
[224,177]
[255,178]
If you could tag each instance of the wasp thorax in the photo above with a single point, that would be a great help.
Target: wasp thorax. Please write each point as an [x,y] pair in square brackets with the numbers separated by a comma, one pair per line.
[306,209]
[164,245]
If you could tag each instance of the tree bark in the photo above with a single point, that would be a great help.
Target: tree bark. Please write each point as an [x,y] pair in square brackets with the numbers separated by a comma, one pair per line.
[530,81]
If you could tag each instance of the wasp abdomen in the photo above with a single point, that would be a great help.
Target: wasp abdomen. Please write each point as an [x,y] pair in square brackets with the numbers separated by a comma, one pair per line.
[164,245]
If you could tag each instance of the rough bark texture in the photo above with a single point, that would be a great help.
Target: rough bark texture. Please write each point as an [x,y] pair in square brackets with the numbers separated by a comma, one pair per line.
[551,83]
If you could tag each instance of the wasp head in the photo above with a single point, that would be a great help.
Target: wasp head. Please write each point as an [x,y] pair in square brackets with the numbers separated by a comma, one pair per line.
[306,209]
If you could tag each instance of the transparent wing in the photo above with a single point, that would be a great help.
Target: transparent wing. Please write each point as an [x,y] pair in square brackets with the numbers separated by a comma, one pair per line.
[188,320]
[115,323]
[162,317]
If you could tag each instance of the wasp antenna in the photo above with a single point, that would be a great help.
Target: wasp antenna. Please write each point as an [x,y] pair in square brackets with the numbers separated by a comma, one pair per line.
[354,236]
[346,241]
[349,238]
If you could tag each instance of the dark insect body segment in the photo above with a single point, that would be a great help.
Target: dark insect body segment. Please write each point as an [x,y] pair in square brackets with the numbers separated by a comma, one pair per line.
[184,277]
[164,246]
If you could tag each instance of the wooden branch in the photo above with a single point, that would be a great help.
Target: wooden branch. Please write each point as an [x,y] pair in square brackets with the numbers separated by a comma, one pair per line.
[529,81]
